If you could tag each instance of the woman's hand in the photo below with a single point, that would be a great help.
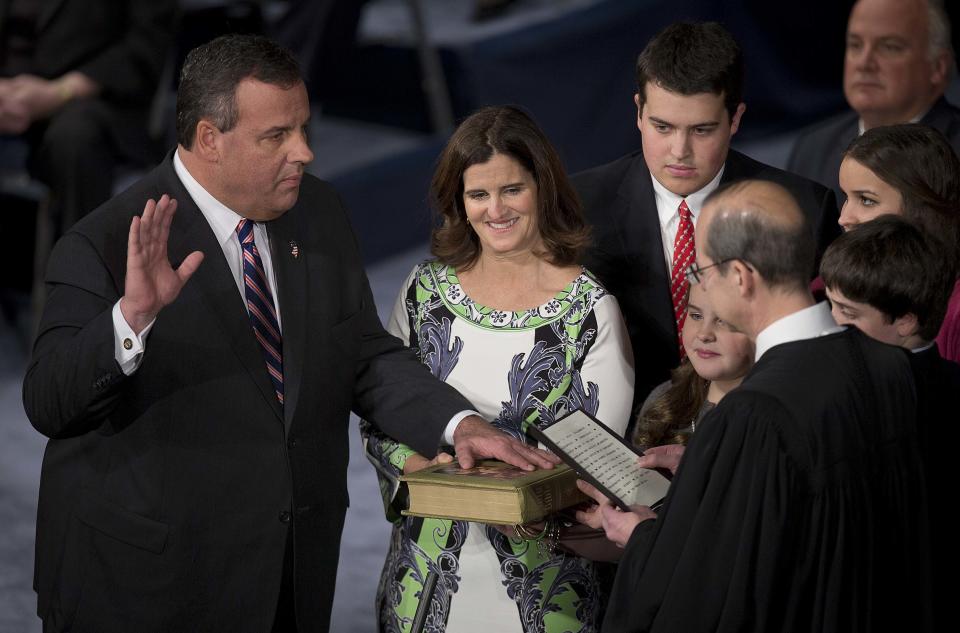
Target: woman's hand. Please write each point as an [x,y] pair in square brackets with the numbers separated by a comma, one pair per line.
[416,462]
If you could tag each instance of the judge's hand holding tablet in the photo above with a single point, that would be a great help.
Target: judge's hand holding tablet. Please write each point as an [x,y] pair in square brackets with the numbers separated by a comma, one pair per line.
[664,457]
[617,524]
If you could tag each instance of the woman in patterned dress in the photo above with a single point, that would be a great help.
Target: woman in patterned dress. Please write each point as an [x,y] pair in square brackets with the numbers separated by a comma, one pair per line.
[506,315]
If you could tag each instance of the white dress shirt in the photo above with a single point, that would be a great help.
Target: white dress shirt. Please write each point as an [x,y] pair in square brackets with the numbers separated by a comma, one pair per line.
[128,346]
[668,205]
[812,322]
[861,128]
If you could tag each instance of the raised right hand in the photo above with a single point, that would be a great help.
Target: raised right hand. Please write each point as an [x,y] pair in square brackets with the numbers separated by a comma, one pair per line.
[151,282]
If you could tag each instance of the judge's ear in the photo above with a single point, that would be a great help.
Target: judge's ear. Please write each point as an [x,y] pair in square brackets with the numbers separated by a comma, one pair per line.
[745,276]
[207,141]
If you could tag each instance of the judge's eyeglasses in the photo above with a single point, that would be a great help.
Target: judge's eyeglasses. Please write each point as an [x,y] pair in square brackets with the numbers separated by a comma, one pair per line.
[694,272]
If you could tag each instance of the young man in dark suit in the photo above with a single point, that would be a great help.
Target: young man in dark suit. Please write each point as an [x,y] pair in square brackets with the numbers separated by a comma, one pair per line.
[644,207]
[885,278]
[897,66]
[804,487]
[195,372]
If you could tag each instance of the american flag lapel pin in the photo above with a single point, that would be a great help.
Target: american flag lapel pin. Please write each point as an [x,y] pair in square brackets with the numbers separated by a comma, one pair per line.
[294,249]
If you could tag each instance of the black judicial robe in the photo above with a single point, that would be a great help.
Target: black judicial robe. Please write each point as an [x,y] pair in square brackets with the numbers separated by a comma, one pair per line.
[799,505]
[938,384]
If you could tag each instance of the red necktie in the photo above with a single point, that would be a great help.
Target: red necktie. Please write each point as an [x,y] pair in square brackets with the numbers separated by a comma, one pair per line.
[684,253]
[263,316]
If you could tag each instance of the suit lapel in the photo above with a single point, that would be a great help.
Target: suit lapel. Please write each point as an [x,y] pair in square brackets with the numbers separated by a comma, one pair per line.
[738,166]
[290,268]
[941,117]
[214,282]
[639,225]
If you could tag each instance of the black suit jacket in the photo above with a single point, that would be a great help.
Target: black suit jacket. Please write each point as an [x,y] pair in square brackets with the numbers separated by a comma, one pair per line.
[627,250]
[166,496]
[818,151]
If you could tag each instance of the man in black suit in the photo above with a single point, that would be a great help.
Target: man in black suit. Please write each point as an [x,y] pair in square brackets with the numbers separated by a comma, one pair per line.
[898,64]
[689,106]
[195,373]
[77,79]
[804,486]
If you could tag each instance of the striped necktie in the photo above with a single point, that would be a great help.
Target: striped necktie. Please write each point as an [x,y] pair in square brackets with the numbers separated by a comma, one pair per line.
[684,253]
[260,307]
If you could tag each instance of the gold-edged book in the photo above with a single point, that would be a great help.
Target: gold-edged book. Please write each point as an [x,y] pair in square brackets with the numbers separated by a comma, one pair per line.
[491,492]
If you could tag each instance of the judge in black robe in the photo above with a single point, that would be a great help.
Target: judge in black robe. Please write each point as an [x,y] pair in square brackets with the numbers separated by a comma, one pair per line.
[938,383]
[799,485]
[799,504]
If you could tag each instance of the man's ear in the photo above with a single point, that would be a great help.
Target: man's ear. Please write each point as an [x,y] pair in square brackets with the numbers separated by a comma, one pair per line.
[207,141]
[637,102]
[907,325]
[940,71]
[735,120]
[745,278]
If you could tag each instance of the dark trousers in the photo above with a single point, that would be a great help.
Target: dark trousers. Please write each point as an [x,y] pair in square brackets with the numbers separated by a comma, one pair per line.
[286,620]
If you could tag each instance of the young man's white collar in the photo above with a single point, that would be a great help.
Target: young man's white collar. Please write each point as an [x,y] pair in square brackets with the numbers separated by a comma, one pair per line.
[667,205]
[923,348]
[812,322]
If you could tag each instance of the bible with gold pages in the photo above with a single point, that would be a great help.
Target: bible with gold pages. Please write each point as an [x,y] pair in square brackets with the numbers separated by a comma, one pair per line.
[491,492]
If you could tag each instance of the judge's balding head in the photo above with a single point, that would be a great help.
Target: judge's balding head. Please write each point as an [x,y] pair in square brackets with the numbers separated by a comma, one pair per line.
[754,247]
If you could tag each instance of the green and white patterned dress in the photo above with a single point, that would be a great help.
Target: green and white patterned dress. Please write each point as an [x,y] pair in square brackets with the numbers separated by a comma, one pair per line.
[517,368]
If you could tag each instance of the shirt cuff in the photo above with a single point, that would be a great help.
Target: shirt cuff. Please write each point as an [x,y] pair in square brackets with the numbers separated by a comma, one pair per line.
[127,346]
[453,423]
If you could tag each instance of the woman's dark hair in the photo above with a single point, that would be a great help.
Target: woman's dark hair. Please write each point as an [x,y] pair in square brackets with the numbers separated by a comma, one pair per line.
[919,162]
[671,413]
[509,131]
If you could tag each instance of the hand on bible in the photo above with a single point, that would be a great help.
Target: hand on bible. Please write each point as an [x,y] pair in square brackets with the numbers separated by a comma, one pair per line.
[662,457]
[617,524]
[151,282]
[474,438]
[416,462]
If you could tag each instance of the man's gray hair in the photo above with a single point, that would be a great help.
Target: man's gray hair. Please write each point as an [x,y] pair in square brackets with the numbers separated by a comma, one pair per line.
[781,252]
[939,33]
